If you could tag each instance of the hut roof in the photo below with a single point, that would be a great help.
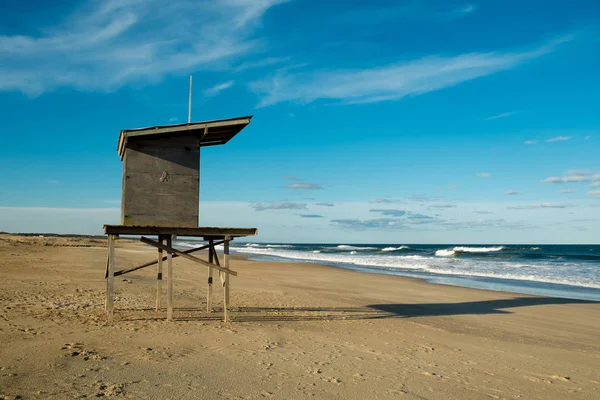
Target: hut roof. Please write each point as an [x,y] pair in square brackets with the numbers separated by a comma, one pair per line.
[211,133]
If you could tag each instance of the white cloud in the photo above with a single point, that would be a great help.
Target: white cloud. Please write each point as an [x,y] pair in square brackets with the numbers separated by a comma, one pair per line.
[574,175]
[108,44]
[218,88]
[503,115]
[530,142]
[483,174]
[173,119]
[443,205]
[468,9]
[325,204]
[580,172]
[595,184]
[303,185]
[513,193]
[278,206]
[567,190]
[387,201]
[559,139]
[594,192]
[259,63]
[538,205]
[565,179]
[389,82]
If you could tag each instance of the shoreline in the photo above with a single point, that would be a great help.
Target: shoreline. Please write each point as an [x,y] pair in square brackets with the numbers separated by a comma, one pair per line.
[505,285]
[297,331]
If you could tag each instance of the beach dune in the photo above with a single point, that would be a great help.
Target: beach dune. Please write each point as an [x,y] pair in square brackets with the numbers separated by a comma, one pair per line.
[297,331]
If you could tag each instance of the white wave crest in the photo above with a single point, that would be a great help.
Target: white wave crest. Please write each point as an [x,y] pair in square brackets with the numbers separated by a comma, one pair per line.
[348,247]
[445,253]
[386,249]
[478,249]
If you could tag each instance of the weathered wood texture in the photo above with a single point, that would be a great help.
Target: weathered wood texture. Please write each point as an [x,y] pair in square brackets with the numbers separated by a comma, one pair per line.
[161,182]
[110,280]
[203,231]
[159,273]
[170,279]
[171,250]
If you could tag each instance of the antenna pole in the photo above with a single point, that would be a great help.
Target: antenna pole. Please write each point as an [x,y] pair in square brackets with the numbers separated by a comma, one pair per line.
[190,103]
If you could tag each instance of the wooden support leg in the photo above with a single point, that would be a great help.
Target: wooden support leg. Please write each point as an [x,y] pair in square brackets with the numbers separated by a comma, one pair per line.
[227,278]
[211,248]
[159,272]
[110,279]
[169,280]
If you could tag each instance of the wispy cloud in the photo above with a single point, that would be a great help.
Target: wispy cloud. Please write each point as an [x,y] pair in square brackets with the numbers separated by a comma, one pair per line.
[575,175]
[595,184]
[214,90]
[580,172]
[559,139]
[389,212]
[259,63]
[485,223]
[538,205]
[503,115]
[310,216]
[173,119]
[587,138]
[443,205]
[530,142]
[465,10]
[278,206]
[303,185]
[389,82]
[424,198]
[567,190]
[483,174]
[379,223]
[594,192]
[565,179]
[483,212]
[107,44]
[513,193]
[387,201]
[325,204]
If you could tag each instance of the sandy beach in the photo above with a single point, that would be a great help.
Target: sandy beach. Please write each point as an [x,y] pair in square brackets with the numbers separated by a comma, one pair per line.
[297,331]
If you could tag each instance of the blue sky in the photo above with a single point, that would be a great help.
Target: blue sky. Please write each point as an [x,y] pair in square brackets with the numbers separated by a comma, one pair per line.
[383,121]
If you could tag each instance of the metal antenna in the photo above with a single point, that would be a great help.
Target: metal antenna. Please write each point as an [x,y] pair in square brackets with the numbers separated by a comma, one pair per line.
[190,103]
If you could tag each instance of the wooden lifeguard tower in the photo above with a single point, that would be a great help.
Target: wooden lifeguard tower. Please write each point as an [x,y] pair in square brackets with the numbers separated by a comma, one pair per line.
[161,186]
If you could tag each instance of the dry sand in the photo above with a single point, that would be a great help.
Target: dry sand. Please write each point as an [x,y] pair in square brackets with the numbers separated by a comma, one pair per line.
[298,330]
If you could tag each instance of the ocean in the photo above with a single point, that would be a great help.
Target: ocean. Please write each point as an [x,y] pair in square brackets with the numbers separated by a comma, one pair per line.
[570,271]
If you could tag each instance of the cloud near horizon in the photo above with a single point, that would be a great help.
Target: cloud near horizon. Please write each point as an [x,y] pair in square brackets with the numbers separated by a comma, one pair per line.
[389,82]
[303,185]
[538,205]
[278,206]
[103,46]
[559,139]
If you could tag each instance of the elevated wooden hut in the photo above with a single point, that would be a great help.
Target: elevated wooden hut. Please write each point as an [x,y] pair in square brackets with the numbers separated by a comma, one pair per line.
[161,186]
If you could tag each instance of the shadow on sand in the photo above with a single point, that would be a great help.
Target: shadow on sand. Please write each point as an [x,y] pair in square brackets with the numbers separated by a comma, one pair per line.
[372,311]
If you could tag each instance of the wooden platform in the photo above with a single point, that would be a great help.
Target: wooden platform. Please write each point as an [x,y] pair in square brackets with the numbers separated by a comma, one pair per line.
[214,236]
[202,231]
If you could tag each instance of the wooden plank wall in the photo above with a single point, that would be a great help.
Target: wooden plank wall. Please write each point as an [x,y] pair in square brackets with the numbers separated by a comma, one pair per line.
[161,182]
